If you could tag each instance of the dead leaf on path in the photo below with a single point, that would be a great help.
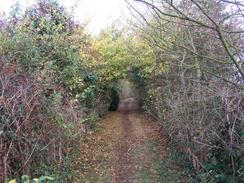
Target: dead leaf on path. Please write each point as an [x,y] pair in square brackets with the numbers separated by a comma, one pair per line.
[2,99]
[128,148]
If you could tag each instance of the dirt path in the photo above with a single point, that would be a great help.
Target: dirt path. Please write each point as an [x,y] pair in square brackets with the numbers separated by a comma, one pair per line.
[122,165]
[127,147]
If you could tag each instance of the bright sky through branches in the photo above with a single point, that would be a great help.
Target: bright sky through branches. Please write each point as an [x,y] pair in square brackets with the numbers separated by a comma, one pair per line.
[98,13]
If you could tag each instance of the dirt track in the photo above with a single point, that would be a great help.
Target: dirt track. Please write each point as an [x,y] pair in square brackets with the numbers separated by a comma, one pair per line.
[127,148]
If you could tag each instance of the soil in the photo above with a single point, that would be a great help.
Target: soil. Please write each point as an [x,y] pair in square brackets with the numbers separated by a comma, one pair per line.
[126,147]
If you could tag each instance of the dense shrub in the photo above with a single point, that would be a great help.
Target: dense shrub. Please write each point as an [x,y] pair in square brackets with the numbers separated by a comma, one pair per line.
[48,91]
[196,89]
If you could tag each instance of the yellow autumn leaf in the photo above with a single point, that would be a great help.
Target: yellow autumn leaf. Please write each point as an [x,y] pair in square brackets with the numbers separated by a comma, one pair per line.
[12,181]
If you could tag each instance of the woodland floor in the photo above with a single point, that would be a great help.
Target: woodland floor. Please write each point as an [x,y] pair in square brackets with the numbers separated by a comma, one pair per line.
[127,147]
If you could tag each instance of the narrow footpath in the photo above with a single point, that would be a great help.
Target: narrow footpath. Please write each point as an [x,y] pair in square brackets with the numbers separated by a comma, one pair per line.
[126,147]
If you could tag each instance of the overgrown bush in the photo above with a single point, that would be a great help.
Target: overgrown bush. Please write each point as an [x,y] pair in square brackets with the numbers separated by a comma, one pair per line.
[196,89]
[48,91]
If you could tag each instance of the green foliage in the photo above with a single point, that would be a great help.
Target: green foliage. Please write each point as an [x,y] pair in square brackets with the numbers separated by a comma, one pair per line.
[219,170]
[27,179]
[122,53]
[90,120]
[63,173]
[47,42]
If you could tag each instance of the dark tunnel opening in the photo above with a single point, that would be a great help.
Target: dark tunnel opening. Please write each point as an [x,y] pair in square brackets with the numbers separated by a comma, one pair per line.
[114,101]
